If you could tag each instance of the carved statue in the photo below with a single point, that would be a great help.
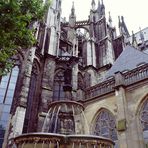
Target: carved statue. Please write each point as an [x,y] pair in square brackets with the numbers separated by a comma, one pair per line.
[68,75]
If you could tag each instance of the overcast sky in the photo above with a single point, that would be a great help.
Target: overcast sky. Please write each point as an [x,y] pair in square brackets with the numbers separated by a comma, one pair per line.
[135,12]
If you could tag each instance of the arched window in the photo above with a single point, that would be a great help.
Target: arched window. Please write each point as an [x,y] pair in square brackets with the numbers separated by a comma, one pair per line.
[144,120]
[105,125]
[7,89]
[7,86]
[58,93]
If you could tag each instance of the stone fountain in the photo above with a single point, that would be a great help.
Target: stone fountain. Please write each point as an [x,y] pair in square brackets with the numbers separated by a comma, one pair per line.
[65,126]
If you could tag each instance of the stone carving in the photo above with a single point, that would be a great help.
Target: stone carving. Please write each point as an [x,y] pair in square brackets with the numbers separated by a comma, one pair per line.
[68,75]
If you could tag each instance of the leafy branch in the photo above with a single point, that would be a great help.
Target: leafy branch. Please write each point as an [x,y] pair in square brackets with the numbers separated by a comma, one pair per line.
[16,18]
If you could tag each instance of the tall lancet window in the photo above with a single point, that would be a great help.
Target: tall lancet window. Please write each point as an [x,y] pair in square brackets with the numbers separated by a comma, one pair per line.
[58,93]
[7,89]
[31,99]
[144,120]
[105,125]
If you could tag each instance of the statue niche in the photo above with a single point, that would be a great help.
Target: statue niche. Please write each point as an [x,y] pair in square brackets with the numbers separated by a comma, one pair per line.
[67,79]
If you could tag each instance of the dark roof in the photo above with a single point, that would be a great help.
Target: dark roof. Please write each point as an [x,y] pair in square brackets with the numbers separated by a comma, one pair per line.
[129,59]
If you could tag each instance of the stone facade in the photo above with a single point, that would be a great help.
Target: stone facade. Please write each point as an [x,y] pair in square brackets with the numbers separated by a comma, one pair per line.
[90,49]
[124,103]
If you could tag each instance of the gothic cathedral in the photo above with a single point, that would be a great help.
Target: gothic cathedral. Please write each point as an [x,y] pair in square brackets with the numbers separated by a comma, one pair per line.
[79,64]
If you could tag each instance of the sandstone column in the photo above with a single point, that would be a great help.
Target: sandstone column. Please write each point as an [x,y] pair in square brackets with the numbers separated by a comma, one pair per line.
[120,93]
[126,122]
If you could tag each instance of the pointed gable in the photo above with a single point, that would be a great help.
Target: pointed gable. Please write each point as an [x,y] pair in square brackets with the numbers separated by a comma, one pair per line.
[129,59]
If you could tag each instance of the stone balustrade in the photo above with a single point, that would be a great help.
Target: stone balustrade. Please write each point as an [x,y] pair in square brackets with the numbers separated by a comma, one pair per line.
[101,88]
[136,74]
[128,78]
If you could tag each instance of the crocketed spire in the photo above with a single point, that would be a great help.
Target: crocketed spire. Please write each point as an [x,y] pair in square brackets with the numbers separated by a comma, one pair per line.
[73,9]
[93,4]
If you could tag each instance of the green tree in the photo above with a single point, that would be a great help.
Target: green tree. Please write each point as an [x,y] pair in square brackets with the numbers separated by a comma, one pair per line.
[16,33]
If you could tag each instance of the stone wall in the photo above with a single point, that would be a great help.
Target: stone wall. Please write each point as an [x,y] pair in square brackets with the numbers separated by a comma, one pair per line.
[124,103]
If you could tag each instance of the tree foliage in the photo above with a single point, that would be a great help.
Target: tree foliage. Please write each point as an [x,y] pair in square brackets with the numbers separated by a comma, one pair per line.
[16,19]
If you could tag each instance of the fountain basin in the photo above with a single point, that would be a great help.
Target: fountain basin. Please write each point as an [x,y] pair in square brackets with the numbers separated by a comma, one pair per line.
[50,140]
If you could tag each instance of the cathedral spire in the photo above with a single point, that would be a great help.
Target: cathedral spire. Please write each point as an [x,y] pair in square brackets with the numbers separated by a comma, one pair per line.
[99,4]
[110,19]
[122,27]
[103,8]
[93,4]
[134,40]
[119,22]
[102,4]
[99,7]
[141,35]
[73,9]
[72,16]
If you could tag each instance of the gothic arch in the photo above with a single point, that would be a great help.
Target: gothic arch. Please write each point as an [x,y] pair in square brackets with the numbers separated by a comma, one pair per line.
[143,114]
[142,117]
[139,105]
[83,32]
[18,58]
[21,55]
[104,124]
[98,111]
[81,84]
[82,27]
[58,70]
[37,60]
[37,66]
[58,92]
